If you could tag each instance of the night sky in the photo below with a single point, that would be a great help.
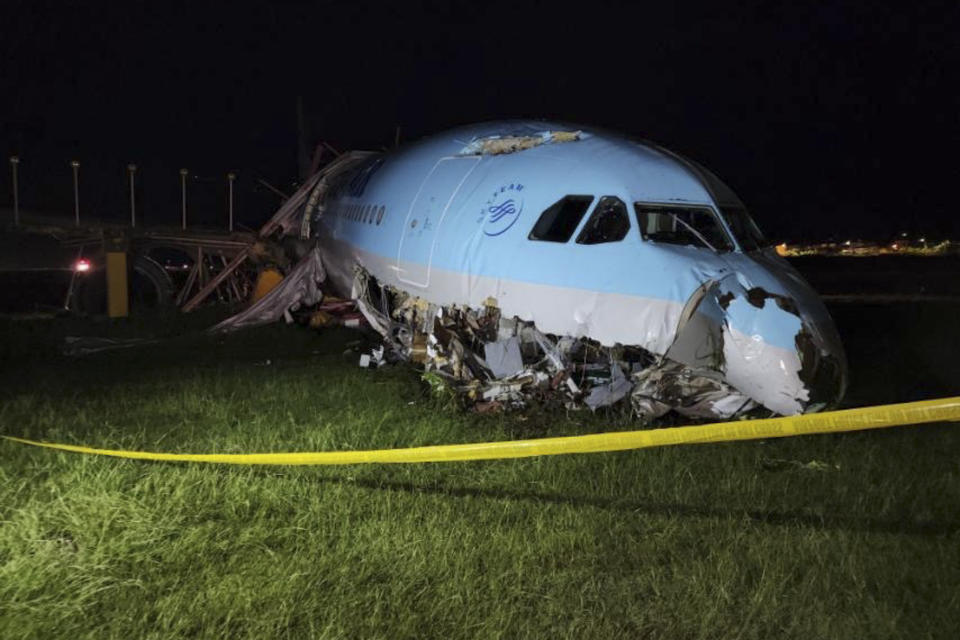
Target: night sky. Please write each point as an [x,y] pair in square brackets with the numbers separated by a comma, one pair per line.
[829,120]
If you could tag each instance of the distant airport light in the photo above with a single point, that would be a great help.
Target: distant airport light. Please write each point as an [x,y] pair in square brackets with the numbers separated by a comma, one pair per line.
[82,265]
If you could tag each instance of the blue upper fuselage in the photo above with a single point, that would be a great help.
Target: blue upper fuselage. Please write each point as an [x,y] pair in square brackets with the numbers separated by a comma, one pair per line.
[449,221]
[596,165]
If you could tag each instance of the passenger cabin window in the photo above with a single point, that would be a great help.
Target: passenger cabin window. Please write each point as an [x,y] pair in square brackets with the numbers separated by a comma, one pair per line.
[558,222]
[609,222]
[691,226]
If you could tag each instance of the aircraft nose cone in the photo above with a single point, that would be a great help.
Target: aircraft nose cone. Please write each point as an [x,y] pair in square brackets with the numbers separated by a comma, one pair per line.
[768,335]
[816,343]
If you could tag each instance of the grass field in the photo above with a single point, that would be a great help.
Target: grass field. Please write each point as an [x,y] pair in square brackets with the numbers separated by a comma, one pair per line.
[746,540]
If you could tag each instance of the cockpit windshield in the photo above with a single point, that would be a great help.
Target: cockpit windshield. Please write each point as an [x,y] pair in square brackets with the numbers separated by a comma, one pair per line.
[745,230]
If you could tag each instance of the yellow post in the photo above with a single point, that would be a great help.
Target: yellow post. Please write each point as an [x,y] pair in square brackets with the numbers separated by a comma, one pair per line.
[118,304]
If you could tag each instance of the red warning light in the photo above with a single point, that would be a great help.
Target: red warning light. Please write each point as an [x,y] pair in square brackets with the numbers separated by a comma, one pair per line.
[82,265]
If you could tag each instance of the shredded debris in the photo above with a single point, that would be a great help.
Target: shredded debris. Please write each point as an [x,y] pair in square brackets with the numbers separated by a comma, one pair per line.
[519,364]
[300,288]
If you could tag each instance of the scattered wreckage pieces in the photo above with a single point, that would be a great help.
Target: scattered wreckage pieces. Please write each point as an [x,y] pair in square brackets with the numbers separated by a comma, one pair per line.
[693,393]
[521,365]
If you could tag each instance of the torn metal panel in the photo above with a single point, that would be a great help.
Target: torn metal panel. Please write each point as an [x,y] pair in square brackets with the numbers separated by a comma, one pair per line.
[503,357]
[299,288]
[694,393]
[604,395]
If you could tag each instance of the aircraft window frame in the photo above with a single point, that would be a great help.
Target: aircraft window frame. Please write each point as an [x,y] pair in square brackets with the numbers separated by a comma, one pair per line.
[551,231]
[702,241]
[590,226]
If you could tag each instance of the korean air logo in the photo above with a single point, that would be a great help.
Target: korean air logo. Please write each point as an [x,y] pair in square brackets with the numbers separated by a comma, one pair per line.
[502,210]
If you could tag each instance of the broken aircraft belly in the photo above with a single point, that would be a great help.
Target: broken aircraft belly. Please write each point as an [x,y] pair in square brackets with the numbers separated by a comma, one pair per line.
[714,355]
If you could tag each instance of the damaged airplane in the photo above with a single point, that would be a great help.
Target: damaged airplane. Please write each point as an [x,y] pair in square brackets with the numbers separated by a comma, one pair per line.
[516,258]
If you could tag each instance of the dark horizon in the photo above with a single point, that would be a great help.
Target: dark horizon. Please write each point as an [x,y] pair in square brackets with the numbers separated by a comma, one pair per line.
[828,121]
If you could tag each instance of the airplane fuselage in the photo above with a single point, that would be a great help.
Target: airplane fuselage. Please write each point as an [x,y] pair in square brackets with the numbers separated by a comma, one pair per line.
[635,242]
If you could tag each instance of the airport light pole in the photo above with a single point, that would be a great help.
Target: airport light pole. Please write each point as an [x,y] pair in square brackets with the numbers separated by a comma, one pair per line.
[132,169]
[14,161]
[230,178]
[183,198]
[76,192]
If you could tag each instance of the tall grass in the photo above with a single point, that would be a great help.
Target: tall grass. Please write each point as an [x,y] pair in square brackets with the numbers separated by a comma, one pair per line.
[730,540]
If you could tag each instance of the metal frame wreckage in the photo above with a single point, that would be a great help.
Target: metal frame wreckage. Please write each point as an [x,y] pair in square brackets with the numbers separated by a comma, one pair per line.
[534,261]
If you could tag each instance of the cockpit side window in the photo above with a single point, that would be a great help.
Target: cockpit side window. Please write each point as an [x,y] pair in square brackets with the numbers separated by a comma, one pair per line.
[743,227]
[558,222]
[683,225]
[609,222]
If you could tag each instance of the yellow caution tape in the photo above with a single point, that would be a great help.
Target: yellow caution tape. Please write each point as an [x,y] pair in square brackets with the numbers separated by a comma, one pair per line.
[892,415]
